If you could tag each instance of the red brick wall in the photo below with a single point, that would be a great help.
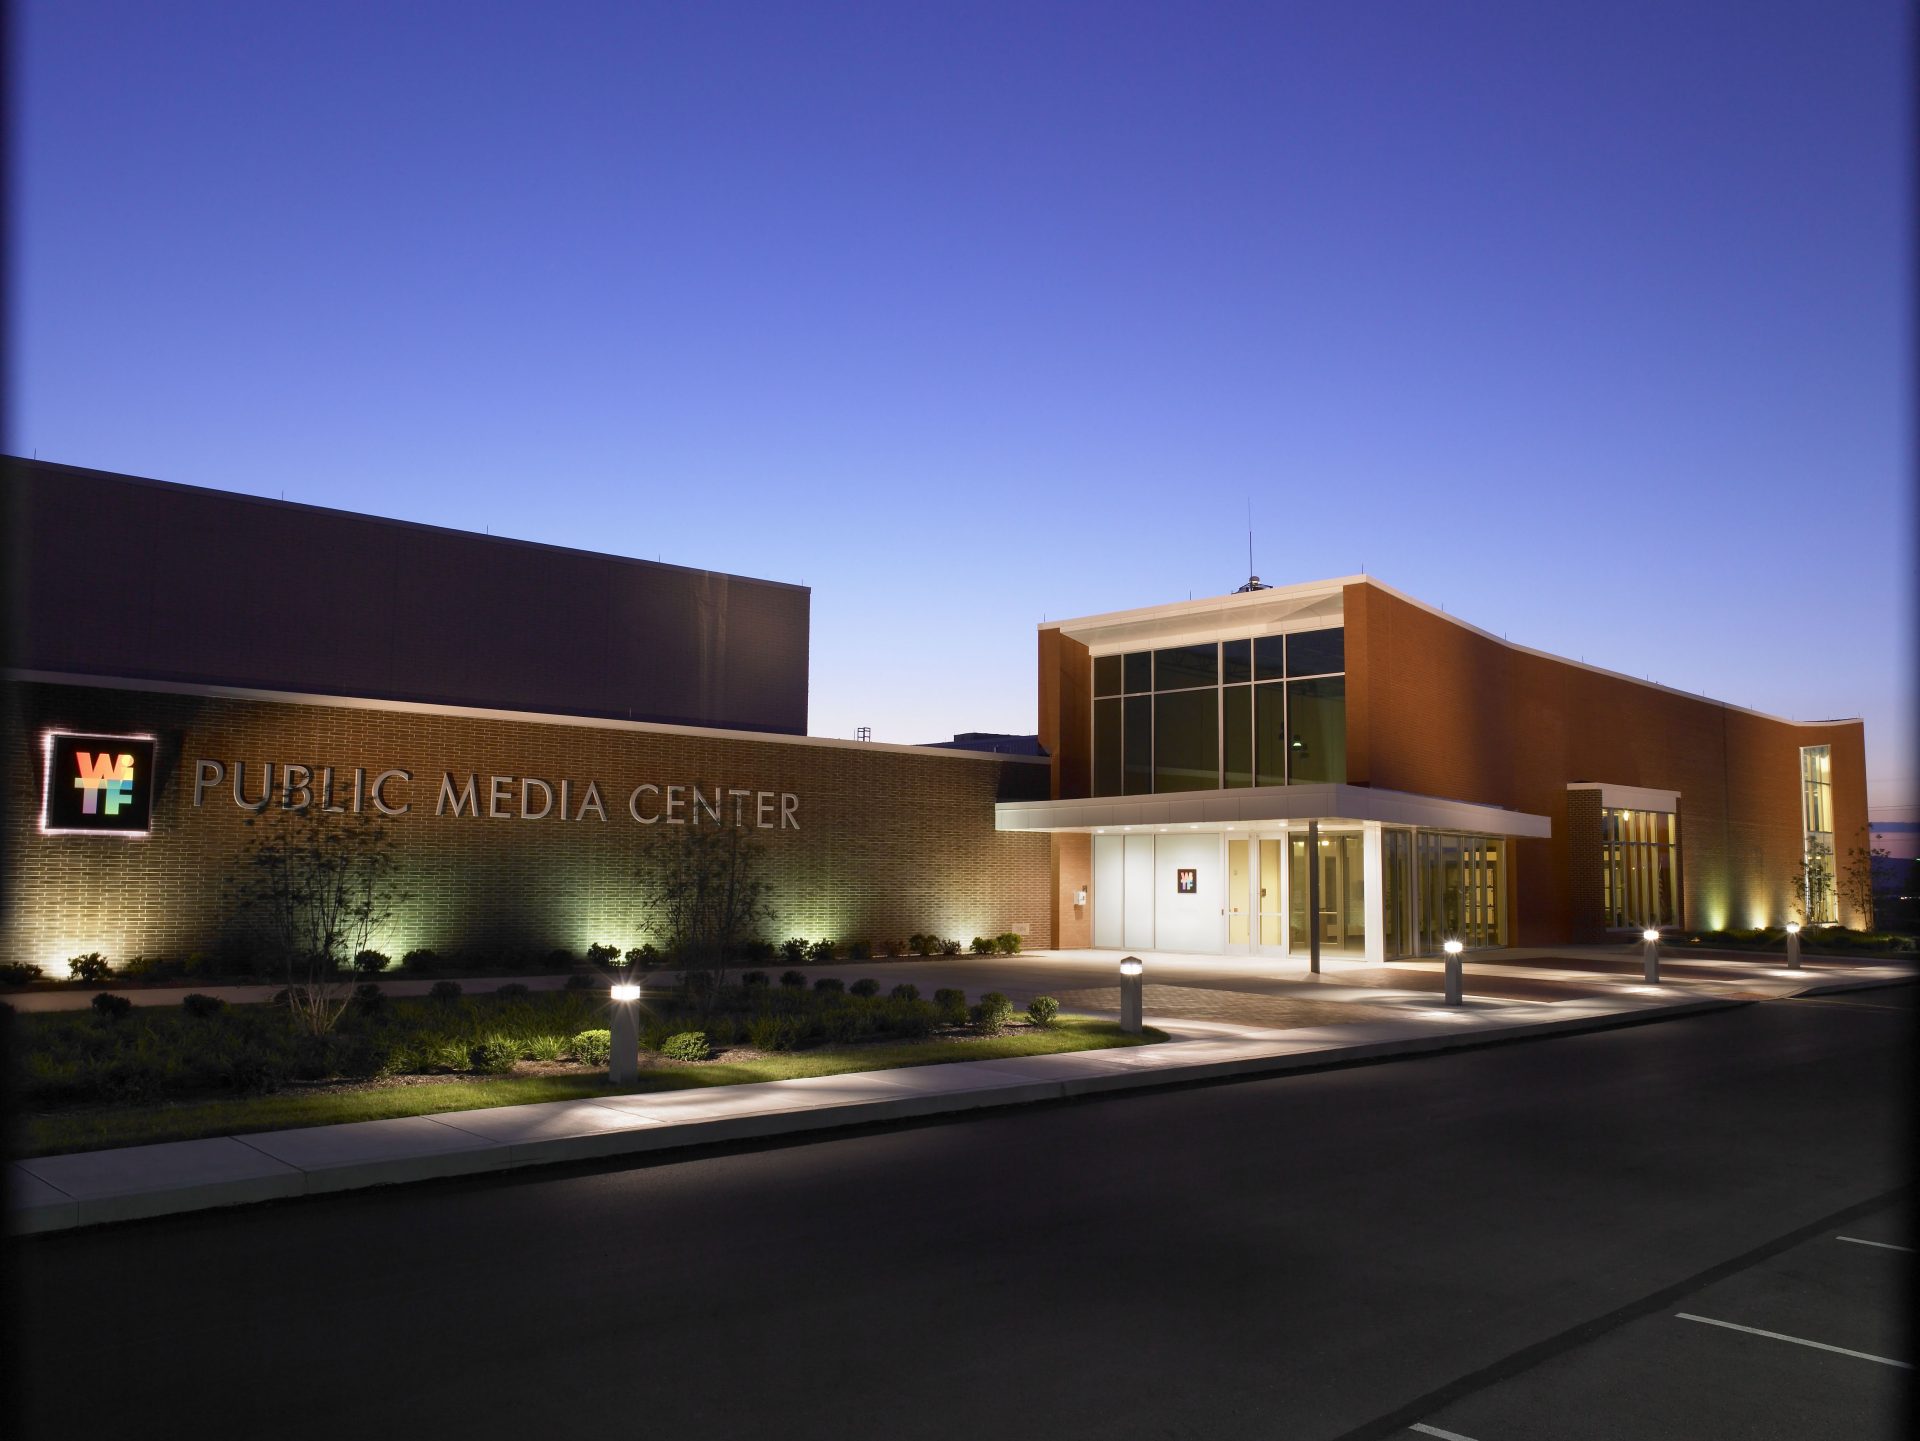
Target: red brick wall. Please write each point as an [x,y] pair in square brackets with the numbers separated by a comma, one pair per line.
[888,844]
[1438,709]
[1066,713]
[1072,872]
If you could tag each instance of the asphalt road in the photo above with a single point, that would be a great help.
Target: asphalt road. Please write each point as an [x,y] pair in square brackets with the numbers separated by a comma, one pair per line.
[1328,1255]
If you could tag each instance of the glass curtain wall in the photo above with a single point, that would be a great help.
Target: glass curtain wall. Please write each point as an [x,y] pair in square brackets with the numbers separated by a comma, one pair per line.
[1641,867]
[1819,904]
[1267,710]
[1343,910]
[1462,889]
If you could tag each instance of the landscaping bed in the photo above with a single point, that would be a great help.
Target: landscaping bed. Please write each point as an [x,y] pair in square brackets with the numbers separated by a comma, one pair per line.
[1814,941]
[120,1075]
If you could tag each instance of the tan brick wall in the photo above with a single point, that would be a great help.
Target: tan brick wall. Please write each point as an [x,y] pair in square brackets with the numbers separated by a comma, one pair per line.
[888,843]
[1438,709]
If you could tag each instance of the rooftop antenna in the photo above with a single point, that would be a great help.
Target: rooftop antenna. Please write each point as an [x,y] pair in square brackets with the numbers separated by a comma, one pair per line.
[1253,581]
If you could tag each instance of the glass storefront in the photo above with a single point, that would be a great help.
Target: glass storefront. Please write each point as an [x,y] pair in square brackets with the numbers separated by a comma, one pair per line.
[1640,867]
[1265,710]
[1436,886]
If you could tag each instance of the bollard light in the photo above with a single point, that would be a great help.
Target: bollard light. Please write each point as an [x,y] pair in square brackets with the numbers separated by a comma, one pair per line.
[1131,988]
[1793,945]
[1650,956]
[1454,990]
[623,1059]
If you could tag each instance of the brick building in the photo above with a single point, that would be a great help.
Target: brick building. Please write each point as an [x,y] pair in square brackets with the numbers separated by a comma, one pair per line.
[1331,765]
[258,661]
[1450,785]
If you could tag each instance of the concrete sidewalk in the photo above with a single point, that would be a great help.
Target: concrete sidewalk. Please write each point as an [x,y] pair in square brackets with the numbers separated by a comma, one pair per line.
[55,1193]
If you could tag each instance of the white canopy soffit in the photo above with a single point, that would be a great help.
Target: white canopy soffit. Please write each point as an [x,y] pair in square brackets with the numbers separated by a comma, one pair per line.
[1259,805]
[1309,606]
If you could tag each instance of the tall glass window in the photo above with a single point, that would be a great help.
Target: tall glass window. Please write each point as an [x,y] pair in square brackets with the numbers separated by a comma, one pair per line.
[1640,853]
[1819,904]
[1265,710]
[1462,889]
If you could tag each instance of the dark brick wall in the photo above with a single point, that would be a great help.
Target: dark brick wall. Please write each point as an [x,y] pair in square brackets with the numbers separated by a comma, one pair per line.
[119,576]
[1586,895]
[889,843]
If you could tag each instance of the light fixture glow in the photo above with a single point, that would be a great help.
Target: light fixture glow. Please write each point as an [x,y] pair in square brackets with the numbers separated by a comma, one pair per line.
[1453,948]
[1793,928]
[626,991]
[1131,967]
[1649,934]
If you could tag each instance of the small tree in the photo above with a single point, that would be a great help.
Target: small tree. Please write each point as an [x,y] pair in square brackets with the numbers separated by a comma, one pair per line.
[321,885]
[1812,902]
[1856,882]
[705,890]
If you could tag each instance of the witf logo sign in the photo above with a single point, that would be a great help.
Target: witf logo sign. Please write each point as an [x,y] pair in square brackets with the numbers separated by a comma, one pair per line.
[97,785]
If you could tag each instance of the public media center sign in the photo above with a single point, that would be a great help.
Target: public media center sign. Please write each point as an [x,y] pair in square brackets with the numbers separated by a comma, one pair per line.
[290,786]
[103,785]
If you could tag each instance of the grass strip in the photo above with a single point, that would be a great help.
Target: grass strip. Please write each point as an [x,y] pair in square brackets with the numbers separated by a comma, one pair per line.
[93,1128]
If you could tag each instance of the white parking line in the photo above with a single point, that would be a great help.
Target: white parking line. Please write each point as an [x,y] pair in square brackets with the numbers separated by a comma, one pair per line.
[1883,1245]
[1797,1340]
[1425,1430]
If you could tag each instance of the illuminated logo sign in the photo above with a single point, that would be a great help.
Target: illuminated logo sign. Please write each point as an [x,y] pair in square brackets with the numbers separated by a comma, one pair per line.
[97,785]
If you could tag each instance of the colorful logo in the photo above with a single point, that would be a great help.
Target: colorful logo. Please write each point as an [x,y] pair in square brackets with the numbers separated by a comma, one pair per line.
[105,781]
[97,784]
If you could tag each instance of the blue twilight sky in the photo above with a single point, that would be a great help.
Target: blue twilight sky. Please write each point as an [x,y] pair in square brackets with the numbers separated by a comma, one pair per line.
[1586,321]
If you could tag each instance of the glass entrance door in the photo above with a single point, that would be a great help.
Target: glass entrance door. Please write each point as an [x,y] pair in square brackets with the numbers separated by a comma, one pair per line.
[1239,930]
[1272,912]
[1342,918]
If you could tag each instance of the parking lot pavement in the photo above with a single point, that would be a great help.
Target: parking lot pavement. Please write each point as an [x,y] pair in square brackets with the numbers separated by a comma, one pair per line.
[1812,1342]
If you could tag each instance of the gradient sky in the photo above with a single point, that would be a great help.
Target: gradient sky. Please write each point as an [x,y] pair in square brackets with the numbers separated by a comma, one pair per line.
[1586,321]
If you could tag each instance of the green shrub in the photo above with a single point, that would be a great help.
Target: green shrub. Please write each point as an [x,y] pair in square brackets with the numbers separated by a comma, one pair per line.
[860,951]
[110,1007]
[420,961]
[580,982]
[144,968]
[991,1014]
[495,1055]
[253,1071]
[760,953]
[686,1046]
[512,991]
[90,969]
[952,1006]
[592,1048]
[909,1019]
[19,973]
[753,980]
[544,1048]
[794,950]
[905,991]
[369,999]
[369,963]
[982,946]
[949,948]
[195,1004]
[442,1054]
[644,957]
[792,980]
[820,952]
[600,955]
[1007,943]
[776,1033]
[865,986]
[829,986]
[445,991]
[1043,1010]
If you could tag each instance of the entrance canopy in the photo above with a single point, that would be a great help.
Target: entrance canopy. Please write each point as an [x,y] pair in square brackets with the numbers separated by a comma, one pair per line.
[1230,810]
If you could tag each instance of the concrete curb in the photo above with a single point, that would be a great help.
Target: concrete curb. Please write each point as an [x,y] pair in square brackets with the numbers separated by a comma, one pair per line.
[92,1188]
